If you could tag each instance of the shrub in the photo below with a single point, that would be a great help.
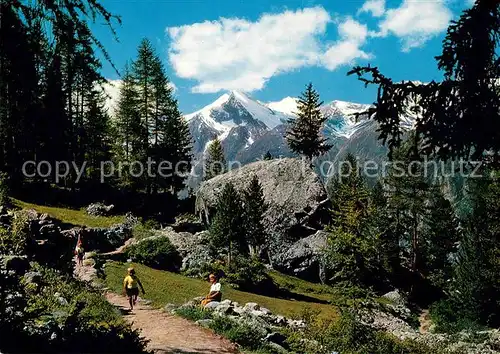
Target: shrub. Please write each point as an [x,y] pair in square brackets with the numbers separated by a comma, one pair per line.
[61,314]
[347,335]
[193,313]
[17,240]
[450,317]
[144,230]
[241,333]
[157,252]
[247,274]
[4,189]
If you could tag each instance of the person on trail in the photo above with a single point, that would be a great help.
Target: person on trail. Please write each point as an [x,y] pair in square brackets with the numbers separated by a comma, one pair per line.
[215,293]
[131,285]
[79,251]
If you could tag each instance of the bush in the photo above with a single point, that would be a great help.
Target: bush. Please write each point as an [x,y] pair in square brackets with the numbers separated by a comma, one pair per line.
[450,317]
[157,252]
[246,274]
[347,335]
[145,229]
[193,313]
[17,240]
[4,189]
[61,314]
[243,334]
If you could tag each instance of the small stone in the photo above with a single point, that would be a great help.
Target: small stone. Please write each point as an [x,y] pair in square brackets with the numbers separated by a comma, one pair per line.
[212,305]
[251,306]
[276,337]
[169,308]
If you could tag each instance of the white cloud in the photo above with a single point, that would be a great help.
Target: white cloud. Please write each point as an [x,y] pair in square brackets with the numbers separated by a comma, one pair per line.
[239,54]
[348,48]
[415,22]
[375,7]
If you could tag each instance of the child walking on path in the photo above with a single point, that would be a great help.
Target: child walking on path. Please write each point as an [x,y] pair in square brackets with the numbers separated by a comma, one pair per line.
[79,252]
[131,285]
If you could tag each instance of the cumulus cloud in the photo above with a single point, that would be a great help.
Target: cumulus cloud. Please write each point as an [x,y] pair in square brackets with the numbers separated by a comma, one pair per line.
[415,22]
[348,48]
[239,54]
[375,7]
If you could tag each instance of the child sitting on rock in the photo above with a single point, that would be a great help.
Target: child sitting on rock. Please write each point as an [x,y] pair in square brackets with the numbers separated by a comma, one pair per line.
[215,293]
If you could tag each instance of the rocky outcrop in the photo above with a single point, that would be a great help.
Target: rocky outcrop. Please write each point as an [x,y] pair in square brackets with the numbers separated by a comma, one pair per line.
[303,258]
[194,249]
[261,321]
[296,196]
[99,209]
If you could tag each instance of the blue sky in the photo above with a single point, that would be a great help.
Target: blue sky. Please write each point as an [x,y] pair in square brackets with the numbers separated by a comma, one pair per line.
[272,48]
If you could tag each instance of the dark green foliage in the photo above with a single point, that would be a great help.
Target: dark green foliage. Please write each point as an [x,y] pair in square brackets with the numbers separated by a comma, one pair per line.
[216,162]
[63,315]
[193,313]
[441,235]
[347,335]
[304,133]
[448,316]
[150,128]
[243,334]
[255,208]
[458,117]
[246,274]
[4,190]
[388,235]
[156,252]
[268,156]
[227,229]
[17,240]
[351,253]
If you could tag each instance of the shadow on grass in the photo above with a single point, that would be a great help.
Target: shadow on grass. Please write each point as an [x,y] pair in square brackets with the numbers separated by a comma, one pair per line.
[271,289]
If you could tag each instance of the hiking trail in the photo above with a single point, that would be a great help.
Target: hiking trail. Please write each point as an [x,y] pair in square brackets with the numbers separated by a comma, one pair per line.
[165,332]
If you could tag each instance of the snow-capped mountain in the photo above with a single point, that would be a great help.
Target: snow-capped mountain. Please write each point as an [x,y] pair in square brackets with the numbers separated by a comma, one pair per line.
[236,119]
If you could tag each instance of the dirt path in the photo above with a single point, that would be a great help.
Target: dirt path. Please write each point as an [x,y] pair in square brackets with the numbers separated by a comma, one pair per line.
[166,333]
[171,334]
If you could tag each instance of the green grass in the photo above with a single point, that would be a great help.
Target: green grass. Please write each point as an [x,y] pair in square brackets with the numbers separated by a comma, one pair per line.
[165,287]
[71,216]
[302,287]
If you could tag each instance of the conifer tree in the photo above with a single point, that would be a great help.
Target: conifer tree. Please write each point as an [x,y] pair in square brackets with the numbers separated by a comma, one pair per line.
[227,228]
[179,144]
[441,235]
[129,128]
[351,250]
[388,235]
[304,133]
[216,162]
[456,114]
[96,132]
[408,192]
[255,207]
[268,156]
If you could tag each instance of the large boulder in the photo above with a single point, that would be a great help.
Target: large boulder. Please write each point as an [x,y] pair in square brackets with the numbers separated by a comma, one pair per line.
[194,249]
[296,196]
[303,258]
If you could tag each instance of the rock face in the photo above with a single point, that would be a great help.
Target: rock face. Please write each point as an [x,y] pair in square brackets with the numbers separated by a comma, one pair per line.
[303,258]
[193,248]
[99,209]
[296,196]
